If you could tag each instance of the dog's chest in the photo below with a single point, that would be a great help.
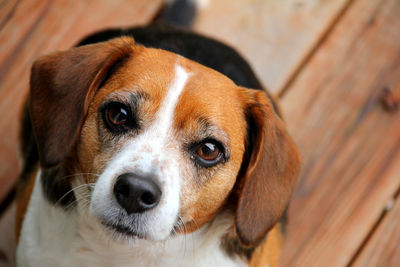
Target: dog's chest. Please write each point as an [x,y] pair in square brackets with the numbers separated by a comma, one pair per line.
[52,237]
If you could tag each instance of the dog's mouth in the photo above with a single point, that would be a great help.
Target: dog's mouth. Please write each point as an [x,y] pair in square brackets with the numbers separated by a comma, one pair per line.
[118,229]
[123,230]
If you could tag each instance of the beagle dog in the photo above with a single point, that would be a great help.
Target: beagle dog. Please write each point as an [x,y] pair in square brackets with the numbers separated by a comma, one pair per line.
[151,151]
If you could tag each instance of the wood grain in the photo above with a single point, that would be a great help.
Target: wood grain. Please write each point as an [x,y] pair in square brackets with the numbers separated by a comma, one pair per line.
[7,237]
[29,29]
[275,36]
[383,247]
[350,145]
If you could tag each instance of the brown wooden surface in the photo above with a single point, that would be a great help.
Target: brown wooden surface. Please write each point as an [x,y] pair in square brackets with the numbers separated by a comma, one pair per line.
[350,145]
[7,237]
[383,249]
[29,29]
[332,58]
[275,36]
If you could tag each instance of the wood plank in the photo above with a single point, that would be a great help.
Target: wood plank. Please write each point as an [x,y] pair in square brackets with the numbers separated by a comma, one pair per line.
[275,36]
[7,237]
[383,247]
[34,28]
[7,9]
[350,144]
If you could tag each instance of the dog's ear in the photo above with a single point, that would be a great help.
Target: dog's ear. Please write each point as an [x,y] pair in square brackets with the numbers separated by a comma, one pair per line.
[62,86]
[268,173]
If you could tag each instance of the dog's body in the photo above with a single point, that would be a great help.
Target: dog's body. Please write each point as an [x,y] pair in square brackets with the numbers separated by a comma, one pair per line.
[212,160]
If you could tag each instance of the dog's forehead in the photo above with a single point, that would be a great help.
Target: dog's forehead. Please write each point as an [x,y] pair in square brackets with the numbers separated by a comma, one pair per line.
[205,93]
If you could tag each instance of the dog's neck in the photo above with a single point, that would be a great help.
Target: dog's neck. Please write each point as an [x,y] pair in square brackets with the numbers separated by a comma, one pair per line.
[53,236]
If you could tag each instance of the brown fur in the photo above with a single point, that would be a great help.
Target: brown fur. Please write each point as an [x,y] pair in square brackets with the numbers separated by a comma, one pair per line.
[204,197]
[270,175]
[57,102]
[270,250]
[263,163]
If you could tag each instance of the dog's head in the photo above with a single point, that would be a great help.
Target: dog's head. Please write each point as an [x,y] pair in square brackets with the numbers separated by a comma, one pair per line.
[163,141]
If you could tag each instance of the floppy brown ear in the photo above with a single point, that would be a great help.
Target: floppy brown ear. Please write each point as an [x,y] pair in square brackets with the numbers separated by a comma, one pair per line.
[269,173]
[62,86]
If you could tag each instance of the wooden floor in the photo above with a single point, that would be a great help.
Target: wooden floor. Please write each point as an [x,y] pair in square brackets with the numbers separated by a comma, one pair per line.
[335,64]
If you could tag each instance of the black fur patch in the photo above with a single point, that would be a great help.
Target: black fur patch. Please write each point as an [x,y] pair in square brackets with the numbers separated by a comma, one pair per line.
[231,245]
[28,144]
[178,13]
[56,186]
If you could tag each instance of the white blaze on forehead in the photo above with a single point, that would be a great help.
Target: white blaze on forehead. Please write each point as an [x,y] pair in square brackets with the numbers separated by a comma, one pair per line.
[166,112]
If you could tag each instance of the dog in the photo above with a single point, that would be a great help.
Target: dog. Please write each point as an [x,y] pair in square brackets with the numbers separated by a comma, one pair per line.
[151,146]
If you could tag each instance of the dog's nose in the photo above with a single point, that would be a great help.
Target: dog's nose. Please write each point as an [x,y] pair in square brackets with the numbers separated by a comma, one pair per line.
[135,193]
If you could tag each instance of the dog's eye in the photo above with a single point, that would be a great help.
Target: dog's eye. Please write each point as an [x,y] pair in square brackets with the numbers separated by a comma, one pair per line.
[118,117]
[208,153]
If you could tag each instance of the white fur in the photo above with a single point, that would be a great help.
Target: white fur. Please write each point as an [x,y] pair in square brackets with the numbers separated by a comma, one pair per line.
[165,115]
[202,4]
[53,237]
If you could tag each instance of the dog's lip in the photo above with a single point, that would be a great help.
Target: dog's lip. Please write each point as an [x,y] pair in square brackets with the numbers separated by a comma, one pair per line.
[123,229]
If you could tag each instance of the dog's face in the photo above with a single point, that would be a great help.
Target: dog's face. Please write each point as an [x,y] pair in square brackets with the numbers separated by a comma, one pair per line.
[161,129]
[162,140]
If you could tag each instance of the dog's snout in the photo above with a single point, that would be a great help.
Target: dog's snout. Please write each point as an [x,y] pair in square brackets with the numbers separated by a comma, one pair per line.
[135,193]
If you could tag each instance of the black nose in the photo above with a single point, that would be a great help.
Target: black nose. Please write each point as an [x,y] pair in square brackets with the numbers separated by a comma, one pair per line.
[135,193]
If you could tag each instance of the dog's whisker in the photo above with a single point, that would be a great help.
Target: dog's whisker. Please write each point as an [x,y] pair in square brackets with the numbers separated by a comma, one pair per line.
[184,234]
[77,175]
[72,190]
[80,199]
[191,219]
